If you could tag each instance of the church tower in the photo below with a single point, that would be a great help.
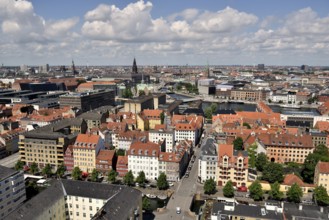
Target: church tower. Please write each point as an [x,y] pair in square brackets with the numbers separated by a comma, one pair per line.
[135,66]
[73,68]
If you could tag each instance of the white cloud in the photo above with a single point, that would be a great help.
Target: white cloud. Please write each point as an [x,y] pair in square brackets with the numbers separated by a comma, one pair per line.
[108,33]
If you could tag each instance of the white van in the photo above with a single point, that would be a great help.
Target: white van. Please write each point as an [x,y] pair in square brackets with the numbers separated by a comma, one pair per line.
[178,210]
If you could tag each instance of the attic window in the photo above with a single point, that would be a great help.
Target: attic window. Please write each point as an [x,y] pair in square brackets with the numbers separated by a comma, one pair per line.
[146,152]
[280,142]
[153,152]
[273,142]
[287,143]
[140,152]
[300,143]
[293,143]
[132,151]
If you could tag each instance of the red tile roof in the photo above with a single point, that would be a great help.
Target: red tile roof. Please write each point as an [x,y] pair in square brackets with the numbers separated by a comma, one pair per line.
[290,179]
[323,167]
[148,149]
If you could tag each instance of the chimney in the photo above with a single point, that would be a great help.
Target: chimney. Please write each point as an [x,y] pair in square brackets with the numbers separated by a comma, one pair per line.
[300,208]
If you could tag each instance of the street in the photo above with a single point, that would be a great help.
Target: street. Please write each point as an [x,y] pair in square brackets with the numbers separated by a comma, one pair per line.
[183,196]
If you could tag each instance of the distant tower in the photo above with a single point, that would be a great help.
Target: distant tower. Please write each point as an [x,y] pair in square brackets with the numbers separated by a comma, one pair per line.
[135,66]
[208,70]
[73,68]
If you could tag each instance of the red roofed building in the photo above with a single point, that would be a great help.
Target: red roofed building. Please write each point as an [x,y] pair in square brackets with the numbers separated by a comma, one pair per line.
[324,108]
[321,175]
[173,164]
[68,158]
[105,160]
[322,126]
[85,150]
[283,148]
[290,179]
[122,165]
[232,165]
[187,127]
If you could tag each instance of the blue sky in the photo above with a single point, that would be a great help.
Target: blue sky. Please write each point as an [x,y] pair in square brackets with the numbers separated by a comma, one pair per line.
[95,32]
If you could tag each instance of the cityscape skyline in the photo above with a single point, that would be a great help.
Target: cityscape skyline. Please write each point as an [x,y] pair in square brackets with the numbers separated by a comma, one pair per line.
[164,33]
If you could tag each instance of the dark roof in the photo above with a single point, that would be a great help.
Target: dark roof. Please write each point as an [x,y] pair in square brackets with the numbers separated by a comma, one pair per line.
[209,148]
[121,205]
[6,172]
[298,124]
[196,111]
[90,189]
[50,131]
[36,206]
[91,116]
[246,211]
[224,112]
[308,211]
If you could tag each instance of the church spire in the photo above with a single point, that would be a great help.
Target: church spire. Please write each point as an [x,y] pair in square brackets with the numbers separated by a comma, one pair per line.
[135,66]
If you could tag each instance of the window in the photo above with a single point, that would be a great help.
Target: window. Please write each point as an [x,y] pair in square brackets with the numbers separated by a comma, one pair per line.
[77,213]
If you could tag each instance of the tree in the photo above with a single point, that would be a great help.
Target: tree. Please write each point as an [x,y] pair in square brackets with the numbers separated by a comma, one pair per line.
[208,113]
[19,165]
[111,177]
[128,179]
[294,193]
[47,170]
[252,151]
[76,173]
[319,154]
[141,177]
[61,170]
[127,93]
[209,186]
[146,204]
[261,161]
[256,191]
[34,168]
[94,175]
[162,117]
[213,107]
[275,192]
[245,124]
[179,87]
[273,172]
[162,182]
[238,143]
[269,101]
[121,152]
[320,195]
[228,189]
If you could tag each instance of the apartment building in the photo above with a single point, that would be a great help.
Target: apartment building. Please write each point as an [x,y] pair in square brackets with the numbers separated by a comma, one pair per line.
[87,101]
[68,158]
[105,161]
[319,138]
[138,104]
[125,139]
[122,165]
[321,175]
[148,119]
[208,160]
[283,148]
[144,157]
[250,95]
[173,164]
[12,190]
[187,127]
[81,200]
[85,150]
[163,135]
[10,140]
[232,165]
[47,145]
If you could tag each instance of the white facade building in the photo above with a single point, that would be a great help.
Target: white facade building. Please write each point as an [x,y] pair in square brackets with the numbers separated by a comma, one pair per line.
[208,161]
[144,157]
[159,135]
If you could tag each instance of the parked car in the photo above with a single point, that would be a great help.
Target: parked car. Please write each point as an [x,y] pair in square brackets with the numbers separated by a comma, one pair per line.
[242,189]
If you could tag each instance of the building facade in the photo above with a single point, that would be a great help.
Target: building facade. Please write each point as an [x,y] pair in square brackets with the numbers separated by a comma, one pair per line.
[232,165]
[321,175]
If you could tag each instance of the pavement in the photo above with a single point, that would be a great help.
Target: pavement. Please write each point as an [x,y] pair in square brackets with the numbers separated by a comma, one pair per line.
[10,161]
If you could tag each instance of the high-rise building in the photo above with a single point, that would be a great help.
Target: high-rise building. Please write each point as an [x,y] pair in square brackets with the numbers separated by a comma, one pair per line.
[12,190]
